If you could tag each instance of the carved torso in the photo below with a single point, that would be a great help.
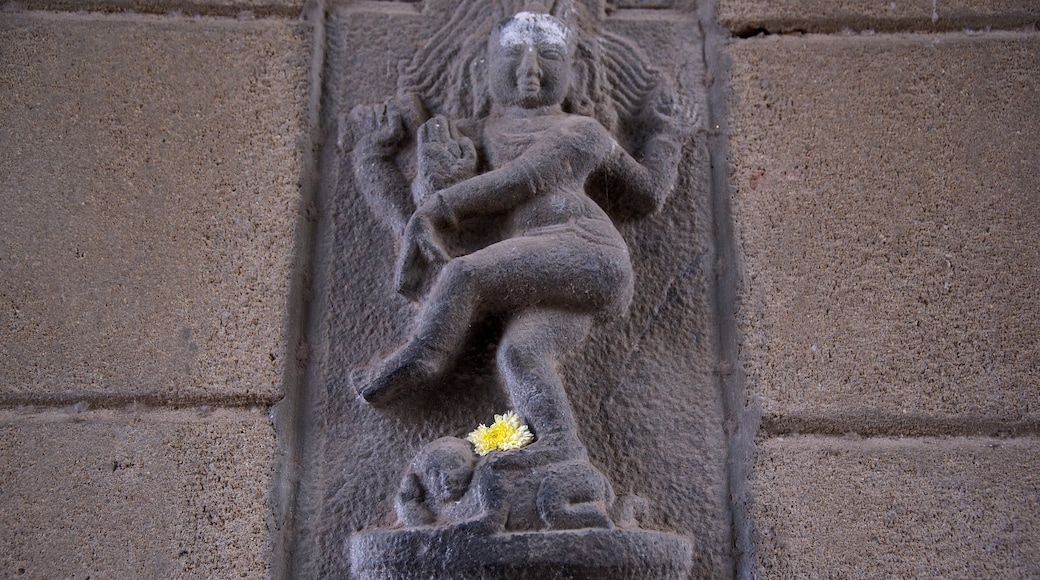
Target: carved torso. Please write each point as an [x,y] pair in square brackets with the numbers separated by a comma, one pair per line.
[511,139]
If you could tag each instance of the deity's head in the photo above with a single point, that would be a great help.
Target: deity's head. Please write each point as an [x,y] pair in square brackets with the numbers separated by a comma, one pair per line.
[530,61]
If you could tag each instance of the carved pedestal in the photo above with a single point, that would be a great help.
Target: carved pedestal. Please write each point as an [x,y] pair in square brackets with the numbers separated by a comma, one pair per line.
[527,513]
[592,553]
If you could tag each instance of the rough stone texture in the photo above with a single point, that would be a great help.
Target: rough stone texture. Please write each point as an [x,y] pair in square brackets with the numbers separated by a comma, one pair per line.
[885,508]
[885,198]
[149,175]
[658,4]
[135,494]
[748,17]
[644,388]
[240,8]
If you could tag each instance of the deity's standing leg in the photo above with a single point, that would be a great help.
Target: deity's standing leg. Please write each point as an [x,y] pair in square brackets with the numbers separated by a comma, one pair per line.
[527,357]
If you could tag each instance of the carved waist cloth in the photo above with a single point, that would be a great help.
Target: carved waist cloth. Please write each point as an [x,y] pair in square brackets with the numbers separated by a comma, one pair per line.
[610,294]
[599,232]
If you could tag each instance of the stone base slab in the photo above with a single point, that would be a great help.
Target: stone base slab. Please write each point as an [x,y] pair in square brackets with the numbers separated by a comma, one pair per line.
[574,554]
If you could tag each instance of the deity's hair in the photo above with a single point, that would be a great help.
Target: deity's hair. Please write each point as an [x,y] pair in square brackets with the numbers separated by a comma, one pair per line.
[611,80]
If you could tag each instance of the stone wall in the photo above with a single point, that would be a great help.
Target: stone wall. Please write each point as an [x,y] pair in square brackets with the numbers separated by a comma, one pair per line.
[153,171]
[157,177]
[885,177]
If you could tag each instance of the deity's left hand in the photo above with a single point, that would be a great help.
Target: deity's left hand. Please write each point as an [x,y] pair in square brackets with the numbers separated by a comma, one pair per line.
[445,157]
[663,116]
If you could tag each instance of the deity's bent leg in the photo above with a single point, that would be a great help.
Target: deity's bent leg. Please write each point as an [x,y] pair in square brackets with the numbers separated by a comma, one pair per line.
[447,314]
[563,271]
[441,327]
[527,359]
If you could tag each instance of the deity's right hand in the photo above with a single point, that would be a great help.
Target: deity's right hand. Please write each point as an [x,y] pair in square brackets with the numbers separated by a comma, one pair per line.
[378,130]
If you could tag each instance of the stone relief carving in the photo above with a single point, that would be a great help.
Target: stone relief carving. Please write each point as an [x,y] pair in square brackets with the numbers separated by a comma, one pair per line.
[511,146]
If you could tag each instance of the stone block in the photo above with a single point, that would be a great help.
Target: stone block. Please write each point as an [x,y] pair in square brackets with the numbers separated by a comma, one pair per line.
[135,494]
[239,8]
[897,508]
[749,17]
[150,179]
[645,4]
[885,197]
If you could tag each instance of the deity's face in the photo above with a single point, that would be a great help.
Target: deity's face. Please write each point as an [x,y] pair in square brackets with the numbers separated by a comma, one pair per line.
[530,61]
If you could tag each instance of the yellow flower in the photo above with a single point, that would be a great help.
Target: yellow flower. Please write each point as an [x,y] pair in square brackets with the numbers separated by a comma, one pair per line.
[507,432]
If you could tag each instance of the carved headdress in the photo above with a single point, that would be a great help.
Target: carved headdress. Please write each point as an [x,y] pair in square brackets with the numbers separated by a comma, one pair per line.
[612,81]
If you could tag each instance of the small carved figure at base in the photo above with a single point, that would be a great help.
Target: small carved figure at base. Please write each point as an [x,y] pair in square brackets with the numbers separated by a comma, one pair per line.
[466,517]
[519,490]
[438,478]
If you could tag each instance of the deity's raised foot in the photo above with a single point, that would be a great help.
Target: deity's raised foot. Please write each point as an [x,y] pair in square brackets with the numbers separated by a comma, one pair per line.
[401,375]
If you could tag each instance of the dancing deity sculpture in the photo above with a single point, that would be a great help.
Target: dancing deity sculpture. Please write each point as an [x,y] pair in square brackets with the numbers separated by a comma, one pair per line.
[507,216]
